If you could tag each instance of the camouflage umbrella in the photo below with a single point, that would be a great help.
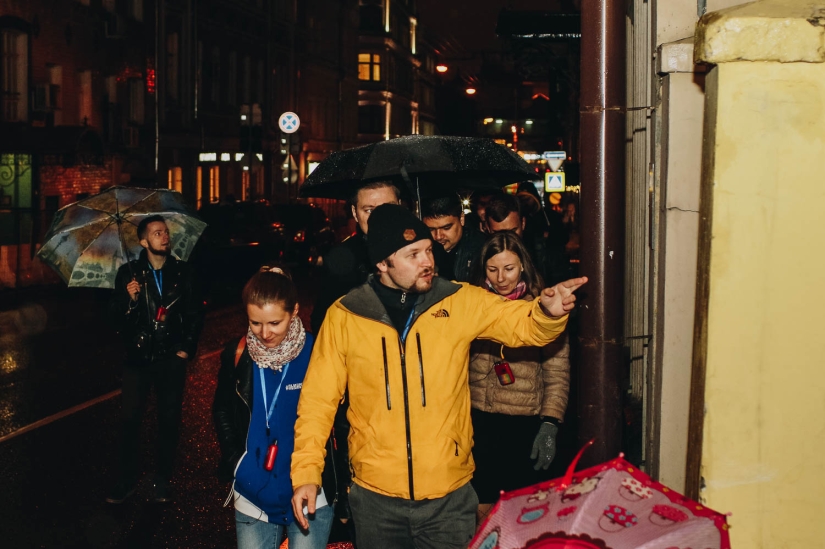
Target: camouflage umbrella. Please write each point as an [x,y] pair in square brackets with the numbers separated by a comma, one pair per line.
[90,239]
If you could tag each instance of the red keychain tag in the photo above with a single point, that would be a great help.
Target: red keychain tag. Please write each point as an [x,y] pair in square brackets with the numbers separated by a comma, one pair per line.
[160,316]
[504,373]
[271,454]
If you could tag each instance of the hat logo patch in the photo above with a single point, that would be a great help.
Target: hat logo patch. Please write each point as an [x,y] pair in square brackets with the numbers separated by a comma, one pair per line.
[409,235]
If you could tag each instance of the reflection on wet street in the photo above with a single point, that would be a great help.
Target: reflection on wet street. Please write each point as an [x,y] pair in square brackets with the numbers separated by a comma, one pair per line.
[55,476]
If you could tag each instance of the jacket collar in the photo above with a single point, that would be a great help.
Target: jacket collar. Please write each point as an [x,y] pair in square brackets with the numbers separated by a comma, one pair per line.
[363,301]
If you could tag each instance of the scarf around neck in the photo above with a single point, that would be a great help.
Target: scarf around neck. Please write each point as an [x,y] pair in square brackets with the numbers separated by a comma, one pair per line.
[286,351]
[518,293]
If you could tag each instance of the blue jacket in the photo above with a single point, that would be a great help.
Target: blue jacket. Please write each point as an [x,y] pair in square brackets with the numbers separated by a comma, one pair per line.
[271,491]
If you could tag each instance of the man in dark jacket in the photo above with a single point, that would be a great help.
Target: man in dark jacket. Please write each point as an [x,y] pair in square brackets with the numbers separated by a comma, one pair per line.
[155,308]
[347,265]
[445,218]
[504,212]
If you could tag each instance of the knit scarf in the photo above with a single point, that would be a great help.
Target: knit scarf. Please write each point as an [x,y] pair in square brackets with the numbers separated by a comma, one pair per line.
[518,293]
[286,351]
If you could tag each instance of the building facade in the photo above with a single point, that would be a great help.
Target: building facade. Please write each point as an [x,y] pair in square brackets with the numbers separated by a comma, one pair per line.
[396,72]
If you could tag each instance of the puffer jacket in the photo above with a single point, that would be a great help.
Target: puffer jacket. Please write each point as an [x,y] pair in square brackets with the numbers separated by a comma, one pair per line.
[411,434]
[542,378]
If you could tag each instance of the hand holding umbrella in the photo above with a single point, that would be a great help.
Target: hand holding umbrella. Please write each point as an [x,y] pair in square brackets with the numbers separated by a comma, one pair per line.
[134,289]
[560,299]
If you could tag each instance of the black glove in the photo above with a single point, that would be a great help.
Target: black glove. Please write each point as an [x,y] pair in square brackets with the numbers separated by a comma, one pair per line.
[544,446]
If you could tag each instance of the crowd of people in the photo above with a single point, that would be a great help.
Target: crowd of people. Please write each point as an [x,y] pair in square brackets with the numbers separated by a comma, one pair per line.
[435,373]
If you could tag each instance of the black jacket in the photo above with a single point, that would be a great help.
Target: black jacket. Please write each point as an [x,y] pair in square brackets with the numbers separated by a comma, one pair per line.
[147,340]
[232,412]
[466,255]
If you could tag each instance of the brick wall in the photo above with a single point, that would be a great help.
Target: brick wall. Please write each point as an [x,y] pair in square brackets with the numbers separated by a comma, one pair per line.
[17,267]
[69,182]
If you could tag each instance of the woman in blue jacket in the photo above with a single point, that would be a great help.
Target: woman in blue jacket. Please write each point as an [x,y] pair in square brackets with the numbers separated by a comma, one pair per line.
[255,410]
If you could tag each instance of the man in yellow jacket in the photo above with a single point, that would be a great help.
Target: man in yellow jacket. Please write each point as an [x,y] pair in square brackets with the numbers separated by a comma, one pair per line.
[400,343]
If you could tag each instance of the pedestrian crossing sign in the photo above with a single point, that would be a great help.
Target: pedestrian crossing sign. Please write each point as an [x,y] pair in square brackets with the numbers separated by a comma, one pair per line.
[553,182]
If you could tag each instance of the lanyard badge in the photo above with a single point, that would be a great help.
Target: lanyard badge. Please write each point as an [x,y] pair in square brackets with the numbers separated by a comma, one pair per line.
[272,450]
[503,370]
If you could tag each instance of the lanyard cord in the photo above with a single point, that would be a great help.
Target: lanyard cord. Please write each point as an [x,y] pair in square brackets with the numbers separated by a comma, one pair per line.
[274,398]
[158,279]
[408,325]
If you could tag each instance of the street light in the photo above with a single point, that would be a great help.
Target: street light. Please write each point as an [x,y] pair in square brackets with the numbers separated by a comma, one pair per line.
[441,68]
[470,91]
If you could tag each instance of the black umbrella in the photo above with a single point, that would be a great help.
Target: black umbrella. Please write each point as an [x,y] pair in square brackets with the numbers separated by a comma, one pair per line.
[426,163]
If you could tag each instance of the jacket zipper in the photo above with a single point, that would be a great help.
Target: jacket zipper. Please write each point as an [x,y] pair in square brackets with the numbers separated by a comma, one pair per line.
[386,372]
[421,370]
[407,416]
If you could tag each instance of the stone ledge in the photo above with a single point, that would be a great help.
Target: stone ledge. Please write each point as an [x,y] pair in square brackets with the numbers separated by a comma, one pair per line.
[786,31]
[677,57]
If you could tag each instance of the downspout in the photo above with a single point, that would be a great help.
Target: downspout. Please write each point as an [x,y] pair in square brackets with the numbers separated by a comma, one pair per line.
[602,111]
[157,88]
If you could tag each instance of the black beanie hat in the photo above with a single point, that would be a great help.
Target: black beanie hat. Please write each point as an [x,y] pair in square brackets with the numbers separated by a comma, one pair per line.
[391,227]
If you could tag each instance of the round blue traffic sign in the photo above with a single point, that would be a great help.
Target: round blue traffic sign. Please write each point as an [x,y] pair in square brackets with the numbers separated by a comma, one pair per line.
[289,122]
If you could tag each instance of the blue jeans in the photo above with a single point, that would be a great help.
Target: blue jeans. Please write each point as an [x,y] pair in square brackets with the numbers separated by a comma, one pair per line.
[256,534]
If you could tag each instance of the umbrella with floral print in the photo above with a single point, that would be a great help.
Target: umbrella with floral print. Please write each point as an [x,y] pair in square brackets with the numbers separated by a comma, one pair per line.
[610,506]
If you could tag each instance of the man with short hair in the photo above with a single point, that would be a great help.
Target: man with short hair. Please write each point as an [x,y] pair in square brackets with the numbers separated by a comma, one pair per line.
[504,213]
[155,309]
[347,265]
[445,218]
[400,344]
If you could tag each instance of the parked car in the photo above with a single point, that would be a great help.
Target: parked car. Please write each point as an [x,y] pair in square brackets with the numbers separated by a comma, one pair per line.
[306,230]
[241,236]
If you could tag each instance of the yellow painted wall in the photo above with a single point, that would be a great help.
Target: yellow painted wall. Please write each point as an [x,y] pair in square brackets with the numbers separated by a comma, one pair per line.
[763,455]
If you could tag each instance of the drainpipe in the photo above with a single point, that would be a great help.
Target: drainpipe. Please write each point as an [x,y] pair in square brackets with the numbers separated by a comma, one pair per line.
[602,111]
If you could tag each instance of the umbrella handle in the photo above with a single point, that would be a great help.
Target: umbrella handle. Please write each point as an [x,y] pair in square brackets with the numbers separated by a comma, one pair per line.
[567,479]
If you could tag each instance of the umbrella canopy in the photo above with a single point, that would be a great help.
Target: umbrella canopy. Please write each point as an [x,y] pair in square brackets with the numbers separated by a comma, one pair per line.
[90,239]
[609,506]
[433,161]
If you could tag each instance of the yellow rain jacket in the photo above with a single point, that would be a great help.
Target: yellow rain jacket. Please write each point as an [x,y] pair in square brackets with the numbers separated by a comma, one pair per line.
[411,435]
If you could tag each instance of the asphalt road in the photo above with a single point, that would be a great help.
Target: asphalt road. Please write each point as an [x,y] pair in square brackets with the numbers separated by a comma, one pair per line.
[59,423]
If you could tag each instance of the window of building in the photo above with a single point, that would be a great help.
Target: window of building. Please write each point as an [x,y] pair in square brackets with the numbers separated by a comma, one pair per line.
[214,184]
[136,101]
[247,79]
[245,185]
[172,65]
[175,177]
[84,98]
[259,83]
[111,89]
[215,74]
[413,26]
[369,66]
[232,79]
[371,119]
[199,187]
[136,9]
[47,96]
[15,75]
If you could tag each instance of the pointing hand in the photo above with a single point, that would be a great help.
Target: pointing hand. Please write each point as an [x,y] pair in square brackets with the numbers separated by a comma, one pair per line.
[560,299]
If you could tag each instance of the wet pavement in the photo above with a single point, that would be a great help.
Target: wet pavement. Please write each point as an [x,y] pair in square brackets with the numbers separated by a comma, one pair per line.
[55,476]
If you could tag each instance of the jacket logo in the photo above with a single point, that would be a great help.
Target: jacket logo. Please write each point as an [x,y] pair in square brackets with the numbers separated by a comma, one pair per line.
[441,314]
[294,386]
[409,235]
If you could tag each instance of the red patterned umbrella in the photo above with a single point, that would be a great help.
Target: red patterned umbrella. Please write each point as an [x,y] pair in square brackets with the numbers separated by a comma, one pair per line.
[610,506]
